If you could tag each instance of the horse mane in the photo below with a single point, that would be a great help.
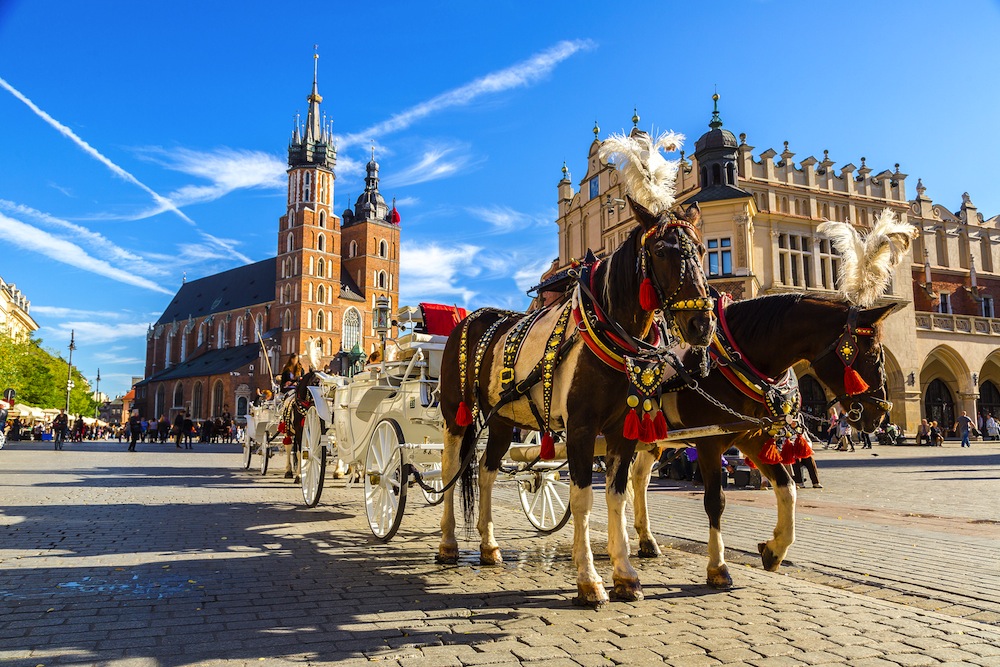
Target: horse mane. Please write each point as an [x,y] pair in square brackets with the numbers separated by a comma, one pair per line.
[620,282]
[867,260]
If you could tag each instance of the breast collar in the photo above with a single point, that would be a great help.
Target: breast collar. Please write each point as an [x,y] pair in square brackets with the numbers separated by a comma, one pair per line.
[604,337]
[780,395]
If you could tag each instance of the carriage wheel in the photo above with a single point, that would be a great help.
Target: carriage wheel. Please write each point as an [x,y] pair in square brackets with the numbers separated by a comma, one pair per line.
[247,451]
[313,458]
[265,454]
[385,480]
[545,500]
[432,498]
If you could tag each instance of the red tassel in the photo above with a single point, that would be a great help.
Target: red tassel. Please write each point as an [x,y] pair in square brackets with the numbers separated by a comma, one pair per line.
[647,295]
[788,452]
[463,417]
[803,449]
[646,431]
[286,440]
[770,453]
[660,425]
[281,427]
[750,464]
[853,383]
[548,449]
[631,430]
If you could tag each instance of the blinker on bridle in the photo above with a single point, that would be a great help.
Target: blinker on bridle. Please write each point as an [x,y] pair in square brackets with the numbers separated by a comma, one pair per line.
[847,349]
[650,294]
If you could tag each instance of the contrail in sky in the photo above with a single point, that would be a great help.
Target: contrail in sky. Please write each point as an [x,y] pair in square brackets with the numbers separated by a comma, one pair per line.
[94,153]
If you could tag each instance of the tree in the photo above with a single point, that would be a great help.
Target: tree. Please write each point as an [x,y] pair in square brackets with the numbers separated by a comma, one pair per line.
[39,377]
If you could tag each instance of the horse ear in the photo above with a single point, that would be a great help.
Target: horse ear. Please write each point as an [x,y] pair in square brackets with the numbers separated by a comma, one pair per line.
[642,214]
[692,215]
[873,316]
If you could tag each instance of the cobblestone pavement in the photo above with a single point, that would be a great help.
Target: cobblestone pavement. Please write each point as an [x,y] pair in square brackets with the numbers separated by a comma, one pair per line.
[164,557]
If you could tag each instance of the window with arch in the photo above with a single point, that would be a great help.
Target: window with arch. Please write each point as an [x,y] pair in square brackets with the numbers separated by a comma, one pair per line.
[168,350]
[241,406]
[307,187]
[353,249]
[383,280]
[184,347]
[196,401]
[322,218]
[320,321]
[258,328]
[731,173]
[989,400]
[286,294]
[704,177]
[716,174]
[160,403]
[179,395]
[289,243]
[201,334]
[321,243]
[383,248]
[321,294]
[286,320]
[319,346]
[217,393]
[321,268]
[220,336]
[238,339]
[309,319]
[351,332]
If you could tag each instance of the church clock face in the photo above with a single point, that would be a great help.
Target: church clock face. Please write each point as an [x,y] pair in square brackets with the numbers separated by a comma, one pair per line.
[595,187]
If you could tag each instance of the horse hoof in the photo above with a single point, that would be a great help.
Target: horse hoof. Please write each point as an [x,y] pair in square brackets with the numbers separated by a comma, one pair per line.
[720,578]
[447,556]
[591,595]
[627,591]
[649,549]
[490,556]
[767,557]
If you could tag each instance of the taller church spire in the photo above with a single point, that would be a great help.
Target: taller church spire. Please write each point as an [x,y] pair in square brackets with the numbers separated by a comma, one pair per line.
[314,146]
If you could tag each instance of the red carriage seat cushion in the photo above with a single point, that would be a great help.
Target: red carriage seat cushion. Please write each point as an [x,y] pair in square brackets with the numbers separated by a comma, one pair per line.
[439,320]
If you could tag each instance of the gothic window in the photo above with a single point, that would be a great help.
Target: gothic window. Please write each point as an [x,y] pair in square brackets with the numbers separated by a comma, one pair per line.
[321,243]
[383,248]
[320,321]
[184,347]
[353,251]
[286,320]
[201,334]
[160,402]
[179,395]
[217,399]
[258,328]
[287,294]
[383,280]
[322,218]
[196,400]
[719,257]
[220,336]
[319,346]
[321,268]
[289,243]
[168,349]
[794,260]
[308,187]
[320,294]
[351,332]
[239,332]
[309,319]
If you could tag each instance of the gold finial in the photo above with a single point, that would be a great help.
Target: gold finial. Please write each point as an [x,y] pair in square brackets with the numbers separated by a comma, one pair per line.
[564,169]
[635,117]
[597,129]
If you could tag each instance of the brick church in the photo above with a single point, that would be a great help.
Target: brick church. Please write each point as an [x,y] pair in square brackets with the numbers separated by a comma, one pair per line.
[222,336]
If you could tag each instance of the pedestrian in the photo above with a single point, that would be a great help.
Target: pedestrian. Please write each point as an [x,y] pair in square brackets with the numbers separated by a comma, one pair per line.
[992,428]
[60,424]
[832,431]
[964,427]
[135,429]
[178,429]
[188,431]
[924,433]
[935,439]
[809,463]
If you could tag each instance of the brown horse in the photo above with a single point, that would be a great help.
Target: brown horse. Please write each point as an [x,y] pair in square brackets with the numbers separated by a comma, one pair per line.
[555,373]
[757,343]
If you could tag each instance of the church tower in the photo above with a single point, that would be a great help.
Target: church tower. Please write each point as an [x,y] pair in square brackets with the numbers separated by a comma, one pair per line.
[308,285]
[371,243]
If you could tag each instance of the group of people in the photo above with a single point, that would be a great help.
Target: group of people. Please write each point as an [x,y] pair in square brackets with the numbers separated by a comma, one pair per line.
[183,430]
[930,432]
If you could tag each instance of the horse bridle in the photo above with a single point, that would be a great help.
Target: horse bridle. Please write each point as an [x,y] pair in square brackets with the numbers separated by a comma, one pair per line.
[856,402]
[690,264]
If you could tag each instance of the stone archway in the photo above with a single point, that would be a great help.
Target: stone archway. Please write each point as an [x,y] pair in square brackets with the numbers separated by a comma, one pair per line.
[947,367]
[939,405]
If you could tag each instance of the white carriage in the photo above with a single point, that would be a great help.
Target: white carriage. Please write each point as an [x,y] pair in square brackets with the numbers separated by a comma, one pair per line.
[385,423]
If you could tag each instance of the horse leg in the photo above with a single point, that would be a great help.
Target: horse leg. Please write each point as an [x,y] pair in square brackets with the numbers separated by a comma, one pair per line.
[589,585]
[624,576]
[448,548]
[641,469]
[489,465]
[773,551]
[710,464]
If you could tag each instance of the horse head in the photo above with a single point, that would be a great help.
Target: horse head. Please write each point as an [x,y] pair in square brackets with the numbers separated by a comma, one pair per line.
[671,257]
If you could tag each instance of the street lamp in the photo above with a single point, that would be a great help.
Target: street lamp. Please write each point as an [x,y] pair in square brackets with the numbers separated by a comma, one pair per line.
[380,316]
[97,396]
[69,369]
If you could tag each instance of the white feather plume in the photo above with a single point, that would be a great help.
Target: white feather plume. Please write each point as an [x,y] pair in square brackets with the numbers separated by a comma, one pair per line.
[649,177]
[867,261]
[313,353]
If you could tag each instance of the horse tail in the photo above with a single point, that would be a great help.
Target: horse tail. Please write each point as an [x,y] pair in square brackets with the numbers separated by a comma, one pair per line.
[468,481]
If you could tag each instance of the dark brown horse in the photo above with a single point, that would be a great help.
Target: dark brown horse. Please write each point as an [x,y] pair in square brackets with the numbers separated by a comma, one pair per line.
[554,375]
[771,334]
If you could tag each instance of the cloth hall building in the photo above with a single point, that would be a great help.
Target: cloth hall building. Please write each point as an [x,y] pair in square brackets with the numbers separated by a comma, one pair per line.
[204,354]
[760,211]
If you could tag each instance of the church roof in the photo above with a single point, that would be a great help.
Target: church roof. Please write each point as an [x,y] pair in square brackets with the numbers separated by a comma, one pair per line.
[213,362]
[241,287]
[718,193]
[348,288]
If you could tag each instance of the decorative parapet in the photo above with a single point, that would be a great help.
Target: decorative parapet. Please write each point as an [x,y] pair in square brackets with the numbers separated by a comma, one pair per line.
[961,324]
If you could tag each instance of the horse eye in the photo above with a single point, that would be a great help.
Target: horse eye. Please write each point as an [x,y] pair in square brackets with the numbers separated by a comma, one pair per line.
[660,249]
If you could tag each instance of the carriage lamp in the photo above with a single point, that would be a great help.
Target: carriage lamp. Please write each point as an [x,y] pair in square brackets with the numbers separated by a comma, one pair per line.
[380,315]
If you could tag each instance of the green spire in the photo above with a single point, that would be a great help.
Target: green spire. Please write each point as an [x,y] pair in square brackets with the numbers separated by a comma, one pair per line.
[716,122]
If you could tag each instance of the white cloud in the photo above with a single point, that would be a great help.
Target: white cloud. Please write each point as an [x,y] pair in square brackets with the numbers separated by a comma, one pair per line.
[516,76]
[89,333]
[429,271]
[93,152]
[529,275]
[501,218]
[440,161]
[60,250]
[59,311]
[114,360]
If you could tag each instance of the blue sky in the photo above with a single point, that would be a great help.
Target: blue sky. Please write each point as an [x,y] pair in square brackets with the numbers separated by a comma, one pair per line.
[145,141]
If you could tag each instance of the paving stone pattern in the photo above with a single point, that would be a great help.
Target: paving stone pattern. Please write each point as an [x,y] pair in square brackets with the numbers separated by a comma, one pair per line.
[180,558]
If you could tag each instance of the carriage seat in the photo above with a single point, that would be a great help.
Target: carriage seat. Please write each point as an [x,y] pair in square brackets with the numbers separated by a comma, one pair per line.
[432,324]
[432,346]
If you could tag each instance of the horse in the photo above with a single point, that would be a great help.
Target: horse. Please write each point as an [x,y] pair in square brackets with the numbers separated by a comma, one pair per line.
[758,341]
[505,365]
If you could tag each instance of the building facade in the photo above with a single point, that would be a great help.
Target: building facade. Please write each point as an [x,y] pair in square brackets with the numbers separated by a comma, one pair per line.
[759,219]
[15,312]
[226,335]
